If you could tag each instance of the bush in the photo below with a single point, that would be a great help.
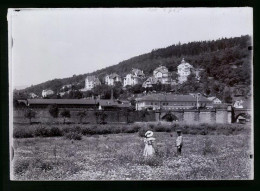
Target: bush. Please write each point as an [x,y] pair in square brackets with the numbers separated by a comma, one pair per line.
[55,132]
[73,136]
[42,132]
[21,166]
[130,129]
[22,133]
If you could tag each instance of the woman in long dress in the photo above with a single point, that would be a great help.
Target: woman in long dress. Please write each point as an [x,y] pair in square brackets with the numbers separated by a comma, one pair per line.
[149,141]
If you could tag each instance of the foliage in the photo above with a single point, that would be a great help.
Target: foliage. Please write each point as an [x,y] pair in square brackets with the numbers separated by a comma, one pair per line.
[65,113]
[29,114]
[54,111]
[82,115]
[73,136]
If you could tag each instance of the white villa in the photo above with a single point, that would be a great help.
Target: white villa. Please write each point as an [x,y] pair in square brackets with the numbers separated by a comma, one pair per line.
[112,78]
[46,93]
[135,77]
[184,70]
[91,82]
[160,74]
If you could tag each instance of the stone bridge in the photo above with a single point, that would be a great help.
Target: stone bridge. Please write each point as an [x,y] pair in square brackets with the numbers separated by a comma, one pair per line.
[245,112]
[198,115]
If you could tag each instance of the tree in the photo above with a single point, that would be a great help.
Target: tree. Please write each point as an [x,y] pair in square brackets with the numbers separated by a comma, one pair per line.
[143,114]
[65,114]
[126,113]
[54,111]
[100,115]
[82,115]
[29,114]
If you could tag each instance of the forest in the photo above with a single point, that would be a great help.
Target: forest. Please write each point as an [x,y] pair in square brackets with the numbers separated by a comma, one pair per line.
[226,63]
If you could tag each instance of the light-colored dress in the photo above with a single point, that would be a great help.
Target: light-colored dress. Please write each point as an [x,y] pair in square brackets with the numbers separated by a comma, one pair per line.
[148,148]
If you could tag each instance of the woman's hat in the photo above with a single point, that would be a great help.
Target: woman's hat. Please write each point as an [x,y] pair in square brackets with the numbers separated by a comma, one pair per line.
[178,131]
[149,134]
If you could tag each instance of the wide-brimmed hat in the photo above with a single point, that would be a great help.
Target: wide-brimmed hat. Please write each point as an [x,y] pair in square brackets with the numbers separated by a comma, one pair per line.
[178,130]
[148,134]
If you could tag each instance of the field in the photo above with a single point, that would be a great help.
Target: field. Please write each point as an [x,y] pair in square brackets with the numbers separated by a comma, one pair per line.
[205,156]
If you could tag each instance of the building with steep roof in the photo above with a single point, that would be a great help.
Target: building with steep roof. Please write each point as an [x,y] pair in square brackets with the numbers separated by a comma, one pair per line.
[161,73]
[91,82]
[46,93]
[215,100]
[171,102]
[135,77]
[149,82]
[183,71]
[112,78]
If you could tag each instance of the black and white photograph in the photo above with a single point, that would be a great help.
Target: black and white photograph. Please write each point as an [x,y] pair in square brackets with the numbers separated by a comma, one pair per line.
[131,94]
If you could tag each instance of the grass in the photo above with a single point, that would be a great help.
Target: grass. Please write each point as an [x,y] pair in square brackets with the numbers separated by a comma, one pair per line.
[118,156]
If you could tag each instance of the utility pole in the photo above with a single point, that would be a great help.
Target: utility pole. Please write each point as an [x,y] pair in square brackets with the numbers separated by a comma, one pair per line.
[198,94]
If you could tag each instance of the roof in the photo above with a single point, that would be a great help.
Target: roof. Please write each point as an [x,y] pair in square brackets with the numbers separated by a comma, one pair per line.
[137,72]
[212,98]
[152,80]
[61,101]
[92,78]
[162,69]
[171,97]
[113,75]
[184,63]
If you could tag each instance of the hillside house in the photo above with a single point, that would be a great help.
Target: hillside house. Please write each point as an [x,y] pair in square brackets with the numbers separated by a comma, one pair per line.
[183,71]
[162,74]
[112,78]
[171,102]
[46,93]
[135,77]
[32,95]
[215,100]
[91,82]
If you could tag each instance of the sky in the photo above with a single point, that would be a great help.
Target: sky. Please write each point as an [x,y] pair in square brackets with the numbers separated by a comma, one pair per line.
[58,43]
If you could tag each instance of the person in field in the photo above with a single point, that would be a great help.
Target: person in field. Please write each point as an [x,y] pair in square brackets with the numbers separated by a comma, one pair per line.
[149,144]
[179,142]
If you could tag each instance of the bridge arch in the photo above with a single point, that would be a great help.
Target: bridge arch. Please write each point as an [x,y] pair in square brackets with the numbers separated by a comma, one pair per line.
[169,116]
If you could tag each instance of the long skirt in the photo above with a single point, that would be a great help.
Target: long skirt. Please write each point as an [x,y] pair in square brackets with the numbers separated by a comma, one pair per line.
[149,151]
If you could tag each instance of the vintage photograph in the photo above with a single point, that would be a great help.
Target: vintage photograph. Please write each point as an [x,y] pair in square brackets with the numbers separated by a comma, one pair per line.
[131,94]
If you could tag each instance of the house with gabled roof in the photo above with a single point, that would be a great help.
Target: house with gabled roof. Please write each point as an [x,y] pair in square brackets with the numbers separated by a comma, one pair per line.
[110,79]
[215,100]
[135,77]
[91,82]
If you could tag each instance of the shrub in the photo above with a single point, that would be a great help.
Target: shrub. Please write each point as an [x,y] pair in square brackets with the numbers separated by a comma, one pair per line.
[21,166]
[143,130]
[73,136]
[208,147]
[22,133]
[42,132]
[130,129]
[55,132]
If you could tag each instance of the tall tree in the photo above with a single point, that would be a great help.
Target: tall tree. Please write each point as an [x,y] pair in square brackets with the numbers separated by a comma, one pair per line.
[29,114]
[65,113]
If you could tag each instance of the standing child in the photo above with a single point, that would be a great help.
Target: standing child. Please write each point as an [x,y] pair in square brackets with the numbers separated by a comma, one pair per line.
[149,141]
[179,142]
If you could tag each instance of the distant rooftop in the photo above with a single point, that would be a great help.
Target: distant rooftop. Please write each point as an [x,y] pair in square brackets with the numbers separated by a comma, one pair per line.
[171,97]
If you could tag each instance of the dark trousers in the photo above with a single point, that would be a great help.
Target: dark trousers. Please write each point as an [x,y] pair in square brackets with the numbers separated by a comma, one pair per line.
[179,150]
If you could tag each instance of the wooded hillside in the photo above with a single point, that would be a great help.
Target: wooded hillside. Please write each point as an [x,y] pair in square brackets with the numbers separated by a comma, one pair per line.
[227,64]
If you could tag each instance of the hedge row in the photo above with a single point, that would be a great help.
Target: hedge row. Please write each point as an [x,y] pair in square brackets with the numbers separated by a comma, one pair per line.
[141,128]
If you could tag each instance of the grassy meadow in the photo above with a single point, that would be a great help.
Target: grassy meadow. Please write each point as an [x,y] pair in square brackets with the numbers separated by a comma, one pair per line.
[76,153]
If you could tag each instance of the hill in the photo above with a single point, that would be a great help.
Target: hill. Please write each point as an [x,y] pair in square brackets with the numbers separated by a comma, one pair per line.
[227,62]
